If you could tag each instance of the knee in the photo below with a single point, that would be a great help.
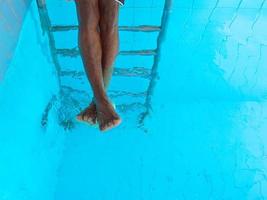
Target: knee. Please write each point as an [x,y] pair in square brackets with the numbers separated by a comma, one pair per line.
[109,28]
[88,32]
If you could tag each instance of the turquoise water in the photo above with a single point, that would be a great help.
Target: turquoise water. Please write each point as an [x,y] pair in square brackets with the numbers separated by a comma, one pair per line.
[191,90]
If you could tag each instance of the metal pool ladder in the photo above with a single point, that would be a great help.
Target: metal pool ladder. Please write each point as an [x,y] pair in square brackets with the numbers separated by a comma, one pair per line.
[69,103]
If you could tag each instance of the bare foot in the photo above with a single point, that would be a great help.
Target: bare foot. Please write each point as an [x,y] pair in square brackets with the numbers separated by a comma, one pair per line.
[88,115]
[107,117]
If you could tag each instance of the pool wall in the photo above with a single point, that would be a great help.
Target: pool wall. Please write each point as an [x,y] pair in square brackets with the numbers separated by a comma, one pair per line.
[12,14]
[29,153]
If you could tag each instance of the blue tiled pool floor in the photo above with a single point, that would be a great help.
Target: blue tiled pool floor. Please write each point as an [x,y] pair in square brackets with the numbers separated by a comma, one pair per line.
[199,150]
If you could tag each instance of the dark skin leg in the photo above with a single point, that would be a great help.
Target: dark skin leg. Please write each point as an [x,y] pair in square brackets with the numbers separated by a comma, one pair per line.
[109,36]
[98,58]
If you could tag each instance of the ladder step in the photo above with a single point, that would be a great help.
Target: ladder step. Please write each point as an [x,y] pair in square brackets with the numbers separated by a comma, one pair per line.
[141,28]
[151,52]
[75,52]
[132,72]
[112,93]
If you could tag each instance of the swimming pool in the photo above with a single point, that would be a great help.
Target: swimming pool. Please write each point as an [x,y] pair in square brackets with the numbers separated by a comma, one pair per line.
[189,84]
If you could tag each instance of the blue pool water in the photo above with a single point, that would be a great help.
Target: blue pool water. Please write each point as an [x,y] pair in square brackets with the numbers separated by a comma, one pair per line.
[191,88]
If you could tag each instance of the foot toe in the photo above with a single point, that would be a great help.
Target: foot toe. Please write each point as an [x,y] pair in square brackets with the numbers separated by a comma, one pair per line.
[102,128]
[79,117]
[87,116]
[110,124]
[90,120]
[116,121]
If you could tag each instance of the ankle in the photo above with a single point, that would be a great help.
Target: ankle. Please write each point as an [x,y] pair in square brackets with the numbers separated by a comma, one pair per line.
[102,102]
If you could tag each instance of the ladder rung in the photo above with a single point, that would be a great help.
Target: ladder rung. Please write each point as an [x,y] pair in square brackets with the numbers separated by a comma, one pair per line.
[75,52]
[112,93]
[141,28]
[127,72]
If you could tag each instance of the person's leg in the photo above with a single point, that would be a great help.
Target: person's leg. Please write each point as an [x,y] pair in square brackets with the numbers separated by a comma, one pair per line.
[109,33]
[109,36]
[90,47]
[109,11]
[91,51]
